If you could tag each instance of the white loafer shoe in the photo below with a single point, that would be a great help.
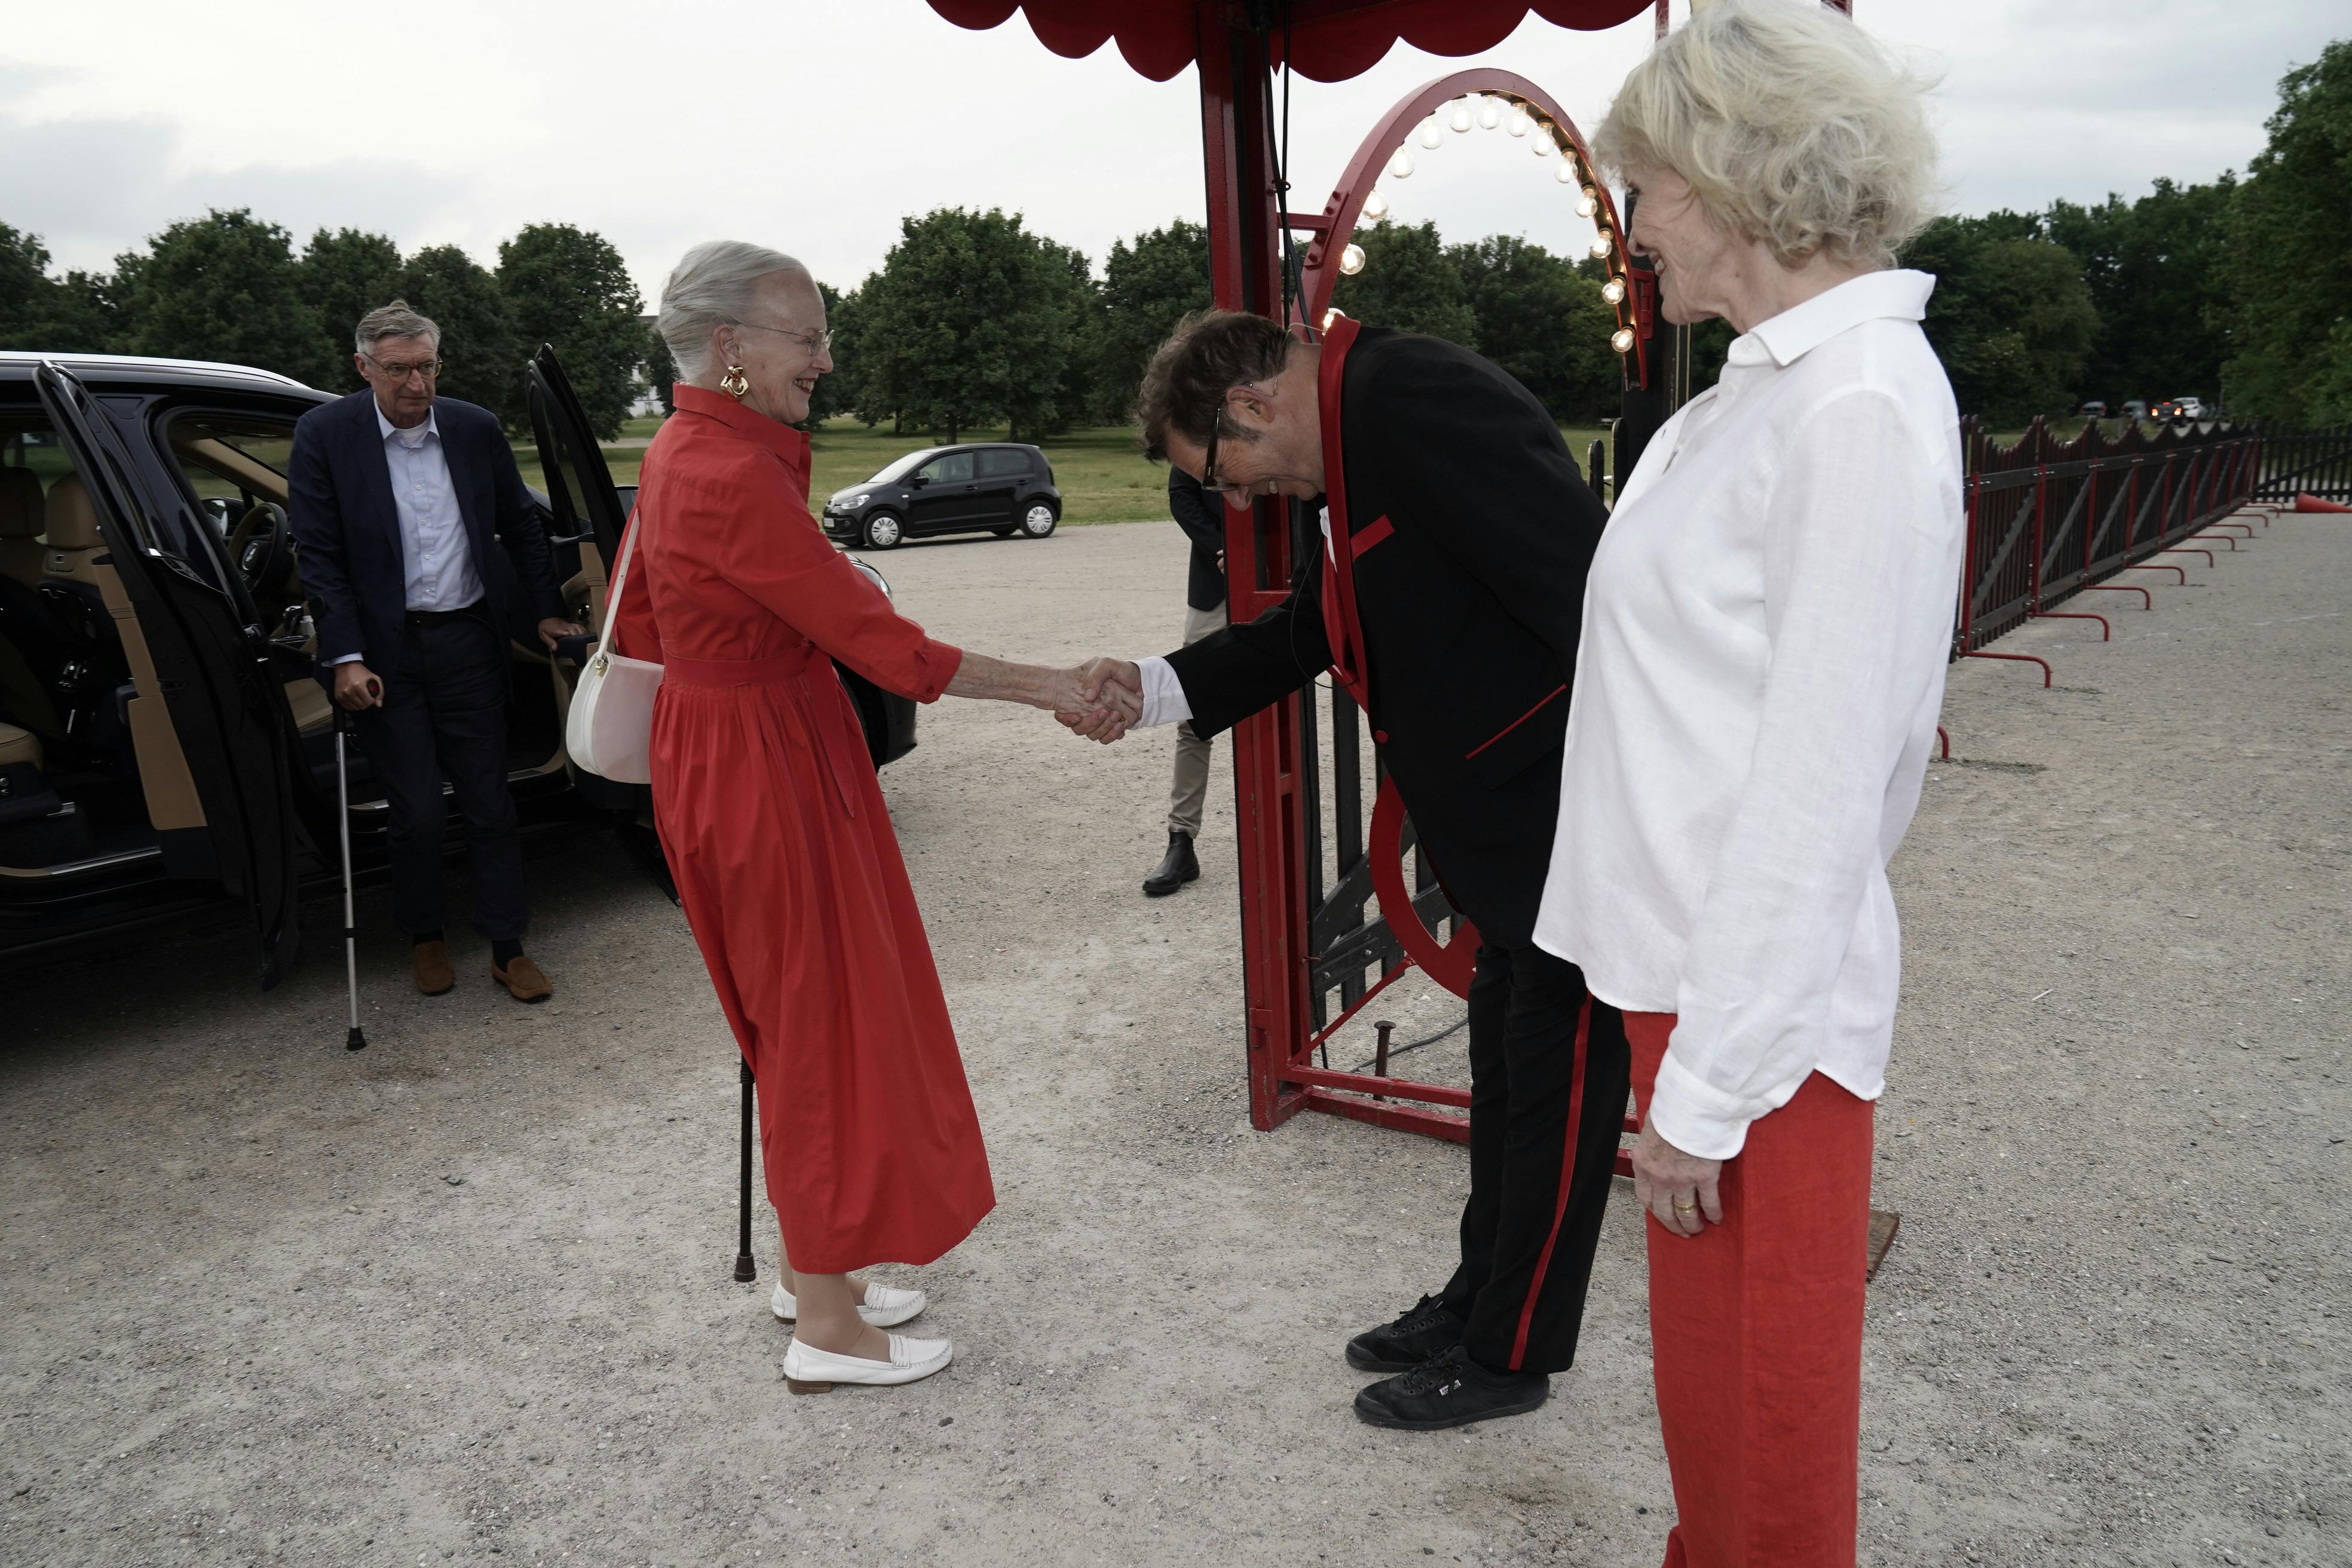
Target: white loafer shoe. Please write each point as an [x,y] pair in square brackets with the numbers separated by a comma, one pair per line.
[882,1309]
[808,1370]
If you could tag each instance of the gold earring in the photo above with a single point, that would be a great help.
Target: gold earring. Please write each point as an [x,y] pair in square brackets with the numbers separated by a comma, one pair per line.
[735,384]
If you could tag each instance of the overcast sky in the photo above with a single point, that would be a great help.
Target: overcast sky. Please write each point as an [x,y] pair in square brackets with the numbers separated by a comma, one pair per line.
[815,127]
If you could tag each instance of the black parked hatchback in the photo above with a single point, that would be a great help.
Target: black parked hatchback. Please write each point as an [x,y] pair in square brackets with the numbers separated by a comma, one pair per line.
[1005,488]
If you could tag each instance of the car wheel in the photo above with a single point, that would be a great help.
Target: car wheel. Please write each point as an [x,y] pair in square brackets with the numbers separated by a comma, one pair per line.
[882,531]
[1038,520]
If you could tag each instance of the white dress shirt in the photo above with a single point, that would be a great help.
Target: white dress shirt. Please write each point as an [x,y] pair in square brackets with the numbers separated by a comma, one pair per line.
[433,544]
[1164,701]
[1766,630]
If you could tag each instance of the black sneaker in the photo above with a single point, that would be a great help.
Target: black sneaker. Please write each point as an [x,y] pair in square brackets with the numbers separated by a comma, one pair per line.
[1416,1335]
[1450,1391]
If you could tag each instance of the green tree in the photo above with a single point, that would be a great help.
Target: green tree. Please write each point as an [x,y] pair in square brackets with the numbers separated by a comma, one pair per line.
[1147,288]
[25,288]
[970,319]
[661,369]
[342,277]
[2011,318]
[568,288]
[836,393]
[1543,321]
[1409,283]
[222,286]
[482,355]
[2157,270]
[2289,277]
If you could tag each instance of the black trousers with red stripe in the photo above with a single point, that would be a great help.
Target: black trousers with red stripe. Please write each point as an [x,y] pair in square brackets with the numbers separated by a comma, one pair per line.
[1549,1073]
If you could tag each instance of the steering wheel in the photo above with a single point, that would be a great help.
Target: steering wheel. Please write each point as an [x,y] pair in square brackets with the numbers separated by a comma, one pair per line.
[262,545]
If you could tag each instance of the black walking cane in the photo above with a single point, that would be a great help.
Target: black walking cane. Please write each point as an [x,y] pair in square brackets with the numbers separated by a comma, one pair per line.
[745,1270]
[356,1040]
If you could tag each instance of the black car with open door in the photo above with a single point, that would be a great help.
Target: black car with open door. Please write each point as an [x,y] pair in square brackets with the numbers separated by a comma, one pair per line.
[166,755]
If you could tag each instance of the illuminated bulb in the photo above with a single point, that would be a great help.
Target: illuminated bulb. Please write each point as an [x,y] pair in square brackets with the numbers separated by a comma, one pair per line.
[1460,119]
[1351,260]
[1329,316]
[1566,175]
[1622,339]
[1521,123]
[1433,134]
[1588,204]
[1601,247]
[1376,206]
[1490,113]
[1400,166]
[1614,291]
[1543,144]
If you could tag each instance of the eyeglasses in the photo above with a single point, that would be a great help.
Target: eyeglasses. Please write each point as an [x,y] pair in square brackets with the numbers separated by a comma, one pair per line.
[1209,480]
[428,368]
[820,340]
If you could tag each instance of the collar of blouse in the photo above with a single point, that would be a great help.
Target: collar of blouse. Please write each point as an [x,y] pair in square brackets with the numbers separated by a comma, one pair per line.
[791,445]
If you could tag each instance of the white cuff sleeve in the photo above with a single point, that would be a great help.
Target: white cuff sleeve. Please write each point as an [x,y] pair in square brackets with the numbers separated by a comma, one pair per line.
[348,658]
[1163,694]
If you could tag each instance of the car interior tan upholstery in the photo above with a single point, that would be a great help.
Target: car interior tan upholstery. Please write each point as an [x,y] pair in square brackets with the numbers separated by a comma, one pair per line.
[164,775]
[21,521]
[313,710]
[73,540]
[18,746]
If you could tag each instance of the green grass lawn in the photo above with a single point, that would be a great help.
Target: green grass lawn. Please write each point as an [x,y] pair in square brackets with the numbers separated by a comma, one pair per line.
[1101,472]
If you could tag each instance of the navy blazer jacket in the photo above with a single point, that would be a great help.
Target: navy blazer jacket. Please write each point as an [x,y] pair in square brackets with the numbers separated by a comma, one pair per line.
[347,531]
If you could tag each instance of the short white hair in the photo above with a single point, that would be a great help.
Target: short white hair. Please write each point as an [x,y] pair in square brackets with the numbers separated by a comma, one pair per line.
[712,285]
[398,319]
[1792,125]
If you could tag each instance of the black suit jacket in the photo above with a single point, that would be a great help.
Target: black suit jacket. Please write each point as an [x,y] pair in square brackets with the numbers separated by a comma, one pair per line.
[1202,516]
[1471,604]
[348,531]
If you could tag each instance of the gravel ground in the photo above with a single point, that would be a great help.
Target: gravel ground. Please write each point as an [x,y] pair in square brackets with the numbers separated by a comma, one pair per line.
[466,1296]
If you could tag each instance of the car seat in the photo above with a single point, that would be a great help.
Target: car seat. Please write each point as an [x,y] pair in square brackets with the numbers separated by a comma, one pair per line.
[68,561]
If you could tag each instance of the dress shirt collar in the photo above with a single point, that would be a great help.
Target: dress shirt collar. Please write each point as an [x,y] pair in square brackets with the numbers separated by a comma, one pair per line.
[431,425]
[790,444]
[1900,295]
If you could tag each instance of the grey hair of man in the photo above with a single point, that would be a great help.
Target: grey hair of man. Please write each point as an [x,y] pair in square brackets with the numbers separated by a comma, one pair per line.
[712,285]
[398,319]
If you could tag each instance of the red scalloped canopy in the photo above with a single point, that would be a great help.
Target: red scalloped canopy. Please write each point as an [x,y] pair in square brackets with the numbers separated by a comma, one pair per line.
[1331,40]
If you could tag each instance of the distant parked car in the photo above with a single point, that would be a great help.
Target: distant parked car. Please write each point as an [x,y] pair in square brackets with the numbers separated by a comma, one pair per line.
[1004,487]
[2167,411]
[2191,407]
[2093,409]
[2135,408]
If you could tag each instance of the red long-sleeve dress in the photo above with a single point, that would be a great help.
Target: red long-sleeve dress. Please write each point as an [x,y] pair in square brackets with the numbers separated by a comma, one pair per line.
[766,802]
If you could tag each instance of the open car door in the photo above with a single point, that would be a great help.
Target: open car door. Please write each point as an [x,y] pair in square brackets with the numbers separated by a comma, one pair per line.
[208,667]
[580,490]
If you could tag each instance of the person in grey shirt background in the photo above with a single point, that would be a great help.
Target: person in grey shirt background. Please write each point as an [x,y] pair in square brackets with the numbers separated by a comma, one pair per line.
[1201,516]
[426,555]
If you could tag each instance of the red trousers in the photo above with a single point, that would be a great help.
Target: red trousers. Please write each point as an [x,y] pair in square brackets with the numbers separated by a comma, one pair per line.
[1756,1334]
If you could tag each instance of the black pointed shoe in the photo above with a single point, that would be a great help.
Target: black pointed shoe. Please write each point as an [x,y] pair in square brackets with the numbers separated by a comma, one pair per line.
[1180,867]
[1429,1327]
[1450,1391]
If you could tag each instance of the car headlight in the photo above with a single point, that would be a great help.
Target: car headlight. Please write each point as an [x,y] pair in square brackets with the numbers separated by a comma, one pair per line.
[849,502]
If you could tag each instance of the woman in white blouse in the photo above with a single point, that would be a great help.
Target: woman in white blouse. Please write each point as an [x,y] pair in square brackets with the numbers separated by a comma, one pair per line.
[1765,628]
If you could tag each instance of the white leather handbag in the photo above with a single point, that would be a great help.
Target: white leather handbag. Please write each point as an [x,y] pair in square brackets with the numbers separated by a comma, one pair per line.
[610,730]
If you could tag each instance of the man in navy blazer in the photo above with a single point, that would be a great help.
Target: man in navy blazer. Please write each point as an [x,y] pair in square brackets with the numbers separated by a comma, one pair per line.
[426,555]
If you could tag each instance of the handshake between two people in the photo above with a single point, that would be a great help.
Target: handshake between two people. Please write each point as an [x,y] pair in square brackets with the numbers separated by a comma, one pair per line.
[1104,701]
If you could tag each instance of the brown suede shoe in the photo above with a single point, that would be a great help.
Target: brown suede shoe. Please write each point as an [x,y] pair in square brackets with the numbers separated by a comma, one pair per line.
[523,979]
[430,960]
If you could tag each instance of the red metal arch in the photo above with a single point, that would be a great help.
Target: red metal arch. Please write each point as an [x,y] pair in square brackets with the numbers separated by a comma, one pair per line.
[1337,223]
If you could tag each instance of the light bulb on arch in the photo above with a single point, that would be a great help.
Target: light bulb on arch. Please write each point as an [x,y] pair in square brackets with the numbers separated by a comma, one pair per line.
[1622,339]
[1614,291]
[1351,260]
[1588,204]
[1601,246]
[1400,166]
[1521,123]
[1567,175]
[1433,134]
[1490,113]
[1376,206]
[1460,119]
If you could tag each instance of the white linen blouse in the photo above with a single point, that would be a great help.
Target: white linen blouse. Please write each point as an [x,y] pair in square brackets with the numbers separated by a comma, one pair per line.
[1766,629]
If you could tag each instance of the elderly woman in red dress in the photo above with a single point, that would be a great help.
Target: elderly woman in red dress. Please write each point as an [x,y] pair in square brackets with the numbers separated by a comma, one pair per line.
[775,827]
[1766,627]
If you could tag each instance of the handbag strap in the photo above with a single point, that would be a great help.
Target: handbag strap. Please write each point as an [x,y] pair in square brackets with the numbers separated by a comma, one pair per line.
[621,577]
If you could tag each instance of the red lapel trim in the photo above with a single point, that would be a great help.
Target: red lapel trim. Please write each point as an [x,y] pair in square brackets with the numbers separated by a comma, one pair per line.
[1380,528]
[1341,624]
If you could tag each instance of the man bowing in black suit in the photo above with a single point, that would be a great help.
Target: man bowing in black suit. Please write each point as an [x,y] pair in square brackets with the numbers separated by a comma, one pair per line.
[426,555]
[1447,598]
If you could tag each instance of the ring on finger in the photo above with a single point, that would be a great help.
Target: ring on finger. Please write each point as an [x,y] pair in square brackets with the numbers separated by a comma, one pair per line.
[1682,1208]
